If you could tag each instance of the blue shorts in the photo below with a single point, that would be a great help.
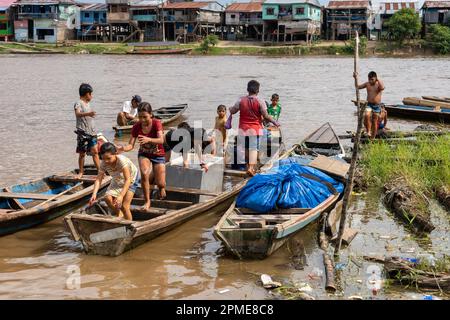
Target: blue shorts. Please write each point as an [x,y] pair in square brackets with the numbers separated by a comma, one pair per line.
[84,144]
[136,184]
[155,160]
[373,107]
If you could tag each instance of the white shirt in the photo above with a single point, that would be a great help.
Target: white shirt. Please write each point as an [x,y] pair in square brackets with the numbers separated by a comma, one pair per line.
[128,108]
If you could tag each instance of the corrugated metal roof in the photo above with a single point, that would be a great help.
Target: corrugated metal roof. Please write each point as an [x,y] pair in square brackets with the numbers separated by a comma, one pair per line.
[145,4]
[344,4]
[42,2]
[187,5]
[313,2]
[94,7]
[6,3]
[245,7]
[436,4]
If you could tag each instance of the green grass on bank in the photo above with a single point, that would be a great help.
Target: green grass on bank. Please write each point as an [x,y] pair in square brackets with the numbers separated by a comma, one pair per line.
[425,164]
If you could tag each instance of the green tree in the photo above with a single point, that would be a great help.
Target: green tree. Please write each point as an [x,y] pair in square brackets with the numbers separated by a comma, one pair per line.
[209,42]
[439,38]
[404,24]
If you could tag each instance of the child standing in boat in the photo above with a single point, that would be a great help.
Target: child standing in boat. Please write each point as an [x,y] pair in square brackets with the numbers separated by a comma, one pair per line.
[274,108]
[86,135]
[219,127]
[125,181]
[151,156]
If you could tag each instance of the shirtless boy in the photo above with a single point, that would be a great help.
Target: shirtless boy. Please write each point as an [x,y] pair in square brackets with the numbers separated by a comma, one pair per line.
[374,88]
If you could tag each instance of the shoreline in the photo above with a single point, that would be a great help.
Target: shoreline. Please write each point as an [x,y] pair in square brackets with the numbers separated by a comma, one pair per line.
[320,49]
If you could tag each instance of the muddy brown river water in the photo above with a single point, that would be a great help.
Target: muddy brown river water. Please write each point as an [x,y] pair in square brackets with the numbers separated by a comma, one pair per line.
[37,139]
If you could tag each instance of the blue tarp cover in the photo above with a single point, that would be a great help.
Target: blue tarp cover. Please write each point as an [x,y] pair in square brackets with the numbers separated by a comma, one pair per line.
[289,185]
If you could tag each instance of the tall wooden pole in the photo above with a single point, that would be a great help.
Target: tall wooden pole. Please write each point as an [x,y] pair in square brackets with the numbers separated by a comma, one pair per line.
[351,172]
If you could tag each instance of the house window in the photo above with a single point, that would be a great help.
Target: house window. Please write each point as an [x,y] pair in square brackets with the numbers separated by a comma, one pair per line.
[412,5]
[233,16]
[388,6]
[395,6]
[300,11]
[3,26]
[95,15]
[123,9]
[403,5]
[41,33]
[86,14]
[270,11]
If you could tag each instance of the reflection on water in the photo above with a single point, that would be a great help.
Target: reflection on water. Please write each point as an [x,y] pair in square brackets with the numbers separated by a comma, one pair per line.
[37,139]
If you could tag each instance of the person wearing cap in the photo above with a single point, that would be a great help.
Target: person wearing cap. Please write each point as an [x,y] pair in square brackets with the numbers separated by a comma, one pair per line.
[128,115]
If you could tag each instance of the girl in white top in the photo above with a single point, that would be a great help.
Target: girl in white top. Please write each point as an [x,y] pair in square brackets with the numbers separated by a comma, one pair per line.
[125,181]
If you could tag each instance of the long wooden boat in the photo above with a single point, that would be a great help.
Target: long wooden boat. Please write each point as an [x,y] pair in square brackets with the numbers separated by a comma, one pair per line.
[250,235]
[411,101]
[31,203]
[103,234]
[420,112]
[435,98]
[165,114]
[161,51]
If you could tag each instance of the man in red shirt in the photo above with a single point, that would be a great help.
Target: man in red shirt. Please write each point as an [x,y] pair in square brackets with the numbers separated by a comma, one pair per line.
[252,113]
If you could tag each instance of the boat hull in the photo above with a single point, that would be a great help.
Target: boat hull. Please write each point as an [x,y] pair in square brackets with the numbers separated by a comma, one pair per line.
[419,112]
[12,220]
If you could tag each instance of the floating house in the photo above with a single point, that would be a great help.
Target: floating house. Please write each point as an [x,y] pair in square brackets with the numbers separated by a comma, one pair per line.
[343,17]
[435,12]
[118,16]
[48,21]
[93,23]
[385,10]
[291,20]
[6,20]
[244,21]
[190,21]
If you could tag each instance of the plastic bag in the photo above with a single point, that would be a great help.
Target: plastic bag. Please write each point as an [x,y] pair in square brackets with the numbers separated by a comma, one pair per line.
[261,193]
[228,122]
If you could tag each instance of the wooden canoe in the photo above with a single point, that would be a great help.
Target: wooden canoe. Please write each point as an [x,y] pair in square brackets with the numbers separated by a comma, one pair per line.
[435,98]
[251,235]
[31,203]
[103,234]
[165,114]
[161,51]
[420,112]
[411,101]
[324,141]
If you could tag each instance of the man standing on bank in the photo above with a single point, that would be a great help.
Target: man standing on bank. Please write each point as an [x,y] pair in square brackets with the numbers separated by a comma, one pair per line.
[374,89]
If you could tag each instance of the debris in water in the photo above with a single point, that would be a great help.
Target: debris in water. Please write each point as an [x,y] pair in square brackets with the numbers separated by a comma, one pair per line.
[316,273]
[340,266]
[304,287]
[224,291]
[268,283]
[408,250]
[359,281]
[355,298]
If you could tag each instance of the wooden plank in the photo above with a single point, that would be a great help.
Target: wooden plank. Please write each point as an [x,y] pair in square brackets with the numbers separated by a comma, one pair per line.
[263,216]
[72,178]
[166,204]
[426,103]
[17,195]
[188,191]
[14,203]
[332,166]
[235,173]
[277,211]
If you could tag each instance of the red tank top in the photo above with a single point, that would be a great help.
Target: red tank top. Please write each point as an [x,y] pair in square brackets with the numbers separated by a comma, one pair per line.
[250,118]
